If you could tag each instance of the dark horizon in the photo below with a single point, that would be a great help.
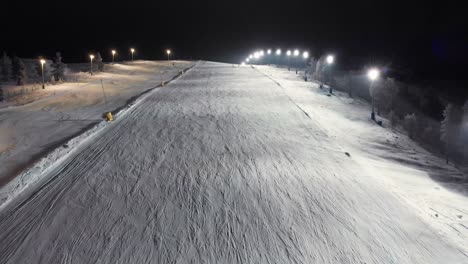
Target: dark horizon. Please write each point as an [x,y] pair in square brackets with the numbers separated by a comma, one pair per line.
[411,40]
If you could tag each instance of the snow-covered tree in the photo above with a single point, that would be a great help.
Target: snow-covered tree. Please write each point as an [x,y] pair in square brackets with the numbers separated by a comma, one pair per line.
[464,130]
[99,62]
[5,65]
[18,70]
[390,92]
[318,73]
[430,135]
[465,114]
[449,129]
[311,65]
[58,67]
[384,93]
[348,82]
[411,124]
[393,118]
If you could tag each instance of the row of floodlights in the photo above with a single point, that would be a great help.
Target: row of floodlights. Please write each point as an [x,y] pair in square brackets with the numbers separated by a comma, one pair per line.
[132,50]
[42,60]
[372,73]
[305,55]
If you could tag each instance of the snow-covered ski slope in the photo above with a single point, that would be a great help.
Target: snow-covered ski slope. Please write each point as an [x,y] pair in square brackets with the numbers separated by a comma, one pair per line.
[220,166]
[62,111]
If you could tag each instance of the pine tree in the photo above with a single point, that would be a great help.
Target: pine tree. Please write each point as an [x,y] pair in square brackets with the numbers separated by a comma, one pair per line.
[18,70]
[464,130]
[410,124]
[390,92]
[5,65]
[58,67]
[393,118]
[449,129]
[349,84]
[99,62]
[465,113]
[318,75]
[14,67]
[384,92]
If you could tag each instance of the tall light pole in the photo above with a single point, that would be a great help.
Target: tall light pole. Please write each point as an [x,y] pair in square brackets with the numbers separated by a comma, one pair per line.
[296,53]
[278,53]
[42,61]
[91,57]
[305,55]
[168,54]
[132,50]
[373,74]
[330,60]
[113,55]
[288,54]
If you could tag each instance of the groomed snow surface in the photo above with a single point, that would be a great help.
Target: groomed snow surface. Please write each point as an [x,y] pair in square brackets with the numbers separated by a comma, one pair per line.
[37,123]
[238,165]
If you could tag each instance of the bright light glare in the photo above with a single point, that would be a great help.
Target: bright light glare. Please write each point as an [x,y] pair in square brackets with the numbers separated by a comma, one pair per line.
[113,52]
[296,53]
[168,51]
[330,59]
[373,74]
[91,56]
[261,53]
[42,61]
[269,51]
[132,50]
[305,55]
[250,56]
[247,60]
[243,63]
[278,52]
[288,53]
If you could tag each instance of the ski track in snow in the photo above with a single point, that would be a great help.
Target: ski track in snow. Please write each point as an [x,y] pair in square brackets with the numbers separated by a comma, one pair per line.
[220,166]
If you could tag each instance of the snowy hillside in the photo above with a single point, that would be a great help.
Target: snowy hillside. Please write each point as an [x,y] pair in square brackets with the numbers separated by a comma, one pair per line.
[240,165]
[33,124]
[438,192]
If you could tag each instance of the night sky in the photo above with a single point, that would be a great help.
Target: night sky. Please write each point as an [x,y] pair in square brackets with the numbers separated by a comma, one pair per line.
[413,39]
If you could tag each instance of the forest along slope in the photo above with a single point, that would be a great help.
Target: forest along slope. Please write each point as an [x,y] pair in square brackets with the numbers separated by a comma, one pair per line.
[220,166]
